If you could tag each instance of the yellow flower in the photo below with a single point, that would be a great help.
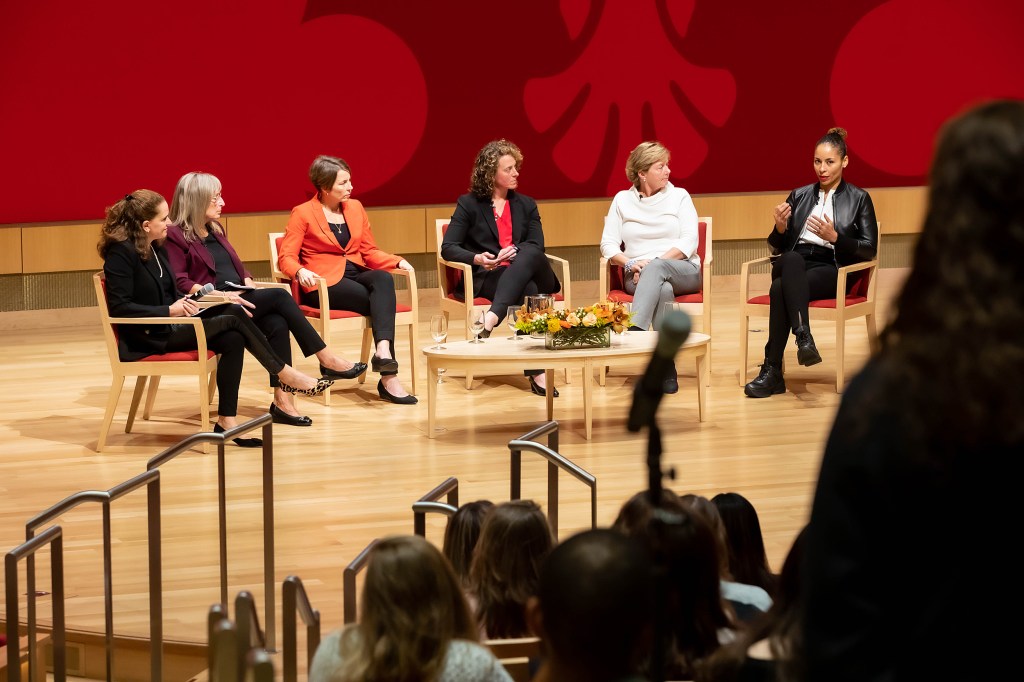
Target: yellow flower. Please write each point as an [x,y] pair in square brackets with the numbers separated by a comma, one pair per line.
[554,325]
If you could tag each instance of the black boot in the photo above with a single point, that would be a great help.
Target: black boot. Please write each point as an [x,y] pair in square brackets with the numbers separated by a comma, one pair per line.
[806,353]
[768,383]
[671,384]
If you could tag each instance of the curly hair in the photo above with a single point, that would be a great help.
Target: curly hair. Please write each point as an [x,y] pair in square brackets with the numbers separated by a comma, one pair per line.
[503,578]
[960,316]
[481,180]
[124,221]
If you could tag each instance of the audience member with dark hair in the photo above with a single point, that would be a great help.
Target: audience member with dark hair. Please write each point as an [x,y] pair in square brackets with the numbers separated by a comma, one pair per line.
[901,584]
[748,561]
[748,601]
[593,609]
[462,534]
[771,649]
[698,619]
[414,624]
[506,566]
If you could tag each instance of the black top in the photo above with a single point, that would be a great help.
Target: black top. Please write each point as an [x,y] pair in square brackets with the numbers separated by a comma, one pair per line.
[342,234]
[226,271]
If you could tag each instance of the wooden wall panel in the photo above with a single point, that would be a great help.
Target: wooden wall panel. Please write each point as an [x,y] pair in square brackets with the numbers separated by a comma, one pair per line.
[409,230]
[60,248]
[10,250]
[573,223]
[248,233]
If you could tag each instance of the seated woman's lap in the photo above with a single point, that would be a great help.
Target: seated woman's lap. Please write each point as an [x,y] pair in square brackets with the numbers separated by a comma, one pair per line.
[370,293]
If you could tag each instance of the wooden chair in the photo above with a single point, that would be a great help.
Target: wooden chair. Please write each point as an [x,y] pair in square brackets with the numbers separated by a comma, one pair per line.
[324,320]
[515,655]
[859,302]
[697,305]
[200,363]
[455,278]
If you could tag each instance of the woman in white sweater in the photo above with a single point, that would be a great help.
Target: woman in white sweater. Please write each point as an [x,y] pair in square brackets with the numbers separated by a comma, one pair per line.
[651,230]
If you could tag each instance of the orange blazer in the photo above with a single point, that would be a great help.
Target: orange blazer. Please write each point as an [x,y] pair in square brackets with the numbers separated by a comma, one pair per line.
[309,243]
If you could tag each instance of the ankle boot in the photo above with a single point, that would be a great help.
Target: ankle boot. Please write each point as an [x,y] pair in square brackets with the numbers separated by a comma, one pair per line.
[768,383]
[806,353]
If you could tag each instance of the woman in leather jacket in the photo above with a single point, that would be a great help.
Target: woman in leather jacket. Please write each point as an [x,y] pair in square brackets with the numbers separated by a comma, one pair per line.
[817,229]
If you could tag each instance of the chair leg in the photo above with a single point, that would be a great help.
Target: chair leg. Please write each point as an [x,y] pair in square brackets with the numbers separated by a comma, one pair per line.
[469,380]
[364,351]
[412,356]
[840,344]
[140,386]
[115,393]
[154,384]
[744,332]
[204,404]
[213,387]
[869,319]
[602,373]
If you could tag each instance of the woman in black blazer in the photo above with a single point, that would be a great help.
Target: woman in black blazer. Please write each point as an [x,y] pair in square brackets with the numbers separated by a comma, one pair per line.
[818,228]
[140,283]
[498,231]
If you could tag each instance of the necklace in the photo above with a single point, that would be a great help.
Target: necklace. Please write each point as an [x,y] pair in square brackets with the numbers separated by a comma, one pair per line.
[153,249]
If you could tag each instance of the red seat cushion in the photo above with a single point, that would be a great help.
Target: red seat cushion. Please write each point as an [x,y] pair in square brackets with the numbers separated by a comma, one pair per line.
[820,303]
[183,356]
[616,296]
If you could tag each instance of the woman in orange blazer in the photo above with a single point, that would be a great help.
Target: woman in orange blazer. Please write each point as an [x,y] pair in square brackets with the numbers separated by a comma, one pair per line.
[330,237]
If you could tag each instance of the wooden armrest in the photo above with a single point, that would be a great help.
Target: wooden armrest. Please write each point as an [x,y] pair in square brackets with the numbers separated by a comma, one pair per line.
[847,269]
[272,285]
[465,267]
[745,276]
[556,259]
[194,321]
[410,275]
[844,273]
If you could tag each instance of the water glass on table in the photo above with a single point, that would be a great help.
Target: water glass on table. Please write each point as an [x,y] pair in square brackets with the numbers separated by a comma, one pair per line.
[438,330]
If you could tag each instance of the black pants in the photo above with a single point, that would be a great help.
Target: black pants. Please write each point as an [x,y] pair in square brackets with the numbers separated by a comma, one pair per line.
[277,316]
[798,277]
[367,292]
[229,332]
[529,274]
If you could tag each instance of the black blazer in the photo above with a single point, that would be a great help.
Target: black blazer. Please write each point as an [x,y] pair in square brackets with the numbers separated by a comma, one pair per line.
[135,289]
[854,220]
[472,230]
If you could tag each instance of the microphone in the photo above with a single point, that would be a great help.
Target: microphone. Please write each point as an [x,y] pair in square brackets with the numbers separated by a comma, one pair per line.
[675,327]
[207,288]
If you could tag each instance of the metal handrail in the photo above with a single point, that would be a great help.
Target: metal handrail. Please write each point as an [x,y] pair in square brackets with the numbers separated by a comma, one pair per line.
[247,624]
[351,571]
[555,462]
[294,600]
[266,421]
[260,665]
[52,537]
[428,503]
[150,479]
[218,613]
[224,652]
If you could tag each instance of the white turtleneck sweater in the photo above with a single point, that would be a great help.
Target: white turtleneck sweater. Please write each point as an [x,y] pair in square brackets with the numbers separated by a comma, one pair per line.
[650,226]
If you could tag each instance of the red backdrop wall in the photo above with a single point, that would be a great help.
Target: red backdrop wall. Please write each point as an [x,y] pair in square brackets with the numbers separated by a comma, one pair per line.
[97,99]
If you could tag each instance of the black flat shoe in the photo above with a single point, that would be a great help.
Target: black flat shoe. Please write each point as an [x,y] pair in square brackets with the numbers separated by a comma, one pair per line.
[384,395]
[282,417]
[537,390]
[671,384]
[321,386]
[241,442]
[350,373]
[380,364]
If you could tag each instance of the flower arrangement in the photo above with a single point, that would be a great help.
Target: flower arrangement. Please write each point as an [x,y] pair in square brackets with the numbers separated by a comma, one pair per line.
[587,326]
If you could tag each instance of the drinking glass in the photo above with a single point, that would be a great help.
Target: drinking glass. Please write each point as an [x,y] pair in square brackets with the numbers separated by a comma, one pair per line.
[477,327]
[438,330]
[440,373]
[511,321]
[628,307]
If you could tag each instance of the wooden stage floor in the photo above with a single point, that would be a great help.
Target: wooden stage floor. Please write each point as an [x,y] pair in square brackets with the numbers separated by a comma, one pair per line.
[353,476]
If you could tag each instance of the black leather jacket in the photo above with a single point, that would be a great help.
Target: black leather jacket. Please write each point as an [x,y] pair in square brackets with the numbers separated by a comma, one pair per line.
[854,218]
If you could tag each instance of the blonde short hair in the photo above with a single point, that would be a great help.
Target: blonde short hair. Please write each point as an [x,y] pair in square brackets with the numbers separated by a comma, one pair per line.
[642,158]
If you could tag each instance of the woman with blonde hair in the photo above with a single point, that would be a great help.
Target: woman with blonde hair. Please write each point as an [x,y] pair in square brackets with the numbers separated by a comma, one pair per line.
[140,283]
[414,625]
[651,231]
[200,254]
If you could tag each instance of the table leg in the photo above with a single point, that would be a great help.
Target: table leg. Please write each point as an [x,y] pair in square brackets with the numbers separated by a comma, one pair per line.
[588,403]
[702,381]
[549,396]
[431,396]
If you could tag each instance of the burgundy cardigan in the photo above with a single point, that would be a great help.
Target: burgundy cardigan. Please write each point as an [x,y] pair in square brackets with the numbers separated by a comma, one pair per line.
[192,262]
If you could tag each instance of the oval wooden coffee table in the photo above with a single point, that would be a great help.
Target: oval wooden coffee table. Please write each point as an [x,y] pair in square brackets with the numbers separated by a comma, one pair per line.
[501,355]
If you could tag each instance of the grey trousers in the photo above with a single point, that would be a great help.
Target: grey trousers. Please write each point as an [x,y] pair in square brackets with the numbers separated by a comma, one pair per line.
[660,282]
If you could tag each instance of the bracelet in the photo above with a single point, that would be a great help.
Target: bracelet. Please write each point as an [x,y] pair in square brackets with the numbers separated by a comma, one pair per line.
[630,264]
